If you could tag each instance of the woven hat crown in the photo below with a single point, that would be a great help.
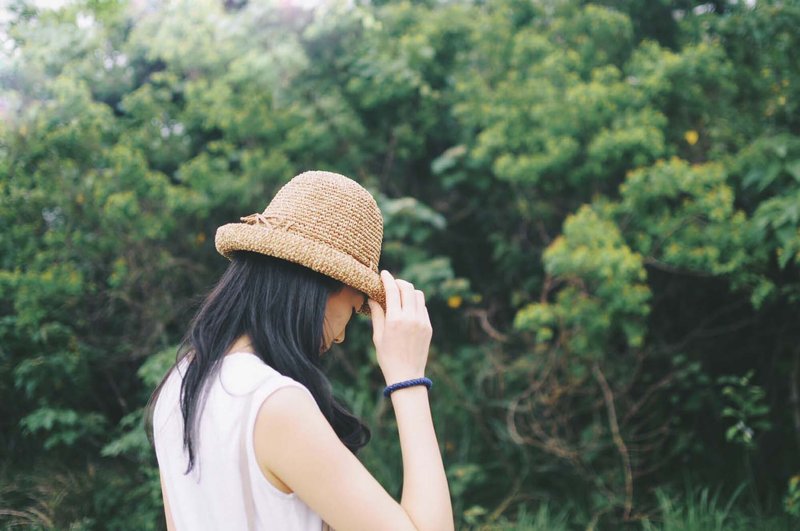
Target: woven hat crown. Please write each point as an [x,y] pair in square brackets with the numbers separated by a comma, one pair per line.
[319,219]
[333,210]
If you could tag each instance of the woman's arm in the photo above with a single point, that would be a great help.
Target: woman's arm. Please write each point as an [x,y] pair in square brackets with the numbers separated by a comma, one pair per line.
[426,496]
[295,442]
[167,511]
[402,337]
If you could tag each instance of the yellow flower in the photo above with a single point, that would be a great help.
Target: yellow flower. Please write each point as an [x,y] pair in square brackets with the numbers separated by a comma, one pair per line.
[691,137]
[200,239]
[454,301]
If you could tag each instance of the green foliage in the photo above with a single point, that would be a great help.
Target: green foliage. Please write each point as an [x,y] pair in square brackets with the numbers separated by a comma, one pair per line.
[792,499]
[772,164]
[543,519]
[700,511]
[599,199]
[687,205]
[65,426]
[604,284]
[746,408]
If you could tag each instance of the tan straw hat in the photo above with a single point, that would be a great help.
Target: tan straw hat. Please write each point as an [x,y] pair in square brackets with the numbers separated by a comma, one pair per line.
[321,220]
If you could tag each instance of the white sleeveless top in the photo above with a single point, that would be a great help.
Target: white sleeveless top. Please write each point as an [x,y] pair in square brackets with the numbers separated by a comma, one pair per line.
[226,488]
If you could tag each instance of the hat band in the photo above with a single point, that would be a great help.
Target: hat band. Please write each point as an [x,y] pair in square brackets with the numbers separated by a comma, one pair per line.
[277,222]
[273,221]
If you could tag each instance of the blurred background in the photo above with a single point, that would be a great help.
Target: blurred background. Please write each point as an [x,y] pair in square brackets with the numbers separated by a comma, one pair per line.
[601,201]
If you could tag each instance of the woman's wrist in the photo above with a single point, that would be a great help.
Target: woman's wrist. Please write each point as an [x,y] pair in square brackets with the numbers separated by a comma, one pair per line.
[403,376]
[410,399]
[405,384]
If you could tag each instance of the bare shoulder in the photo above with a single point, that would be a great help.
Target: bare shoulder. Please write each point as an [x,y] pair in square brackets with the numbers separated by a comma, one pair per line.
[288,404]
[285,404]
[287,416]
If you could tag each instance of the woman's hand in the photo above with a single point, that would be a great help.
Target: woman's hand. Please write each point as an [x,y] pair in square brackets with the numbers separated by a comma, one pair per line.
[402,335]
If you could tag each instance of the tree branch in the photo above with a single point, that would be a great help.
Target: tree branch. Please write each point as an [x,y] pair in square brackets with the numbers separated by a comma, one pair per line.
[608,396]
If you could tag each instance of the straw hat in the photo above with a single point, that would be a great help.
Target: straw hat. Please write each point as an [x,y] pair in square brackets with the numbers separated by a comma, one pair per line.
[321,220]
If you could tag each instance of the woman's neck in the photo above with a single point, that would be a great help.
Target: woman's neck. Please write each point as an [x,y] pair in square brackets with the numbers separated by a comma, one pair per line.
[242,344]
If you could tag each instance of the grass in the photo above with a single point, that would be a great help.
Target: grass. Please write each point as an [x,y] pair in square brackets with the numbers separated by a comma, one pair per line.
[696,510]
[543,519]
[702,510]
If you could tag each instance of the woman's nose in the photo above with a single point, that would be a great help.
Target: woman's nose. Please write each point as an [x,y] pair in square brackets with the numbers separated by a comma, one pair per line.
[339,339]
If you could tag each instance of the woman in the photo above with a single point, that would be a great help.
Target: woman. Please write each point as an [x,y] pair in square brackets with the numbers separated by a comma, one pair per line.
[246,431]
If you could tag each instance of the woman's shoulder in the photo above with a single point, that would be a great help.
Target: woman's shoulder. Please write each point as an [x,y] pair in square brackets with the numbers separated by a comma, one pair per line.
[244,373]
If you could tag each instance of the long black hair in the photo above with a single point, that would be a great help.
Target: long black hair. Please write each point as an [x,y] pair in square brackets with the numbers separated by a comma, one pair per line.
[281,307]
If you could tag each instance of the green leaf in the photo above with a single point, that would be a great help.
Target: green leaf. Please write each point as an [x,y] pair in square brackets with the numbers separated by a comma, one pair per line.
[793,169]
[770,174]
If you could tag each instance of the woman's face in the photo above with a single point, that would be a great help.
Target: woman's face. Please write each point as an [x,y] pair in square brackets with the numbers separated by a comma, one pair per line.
[340,308]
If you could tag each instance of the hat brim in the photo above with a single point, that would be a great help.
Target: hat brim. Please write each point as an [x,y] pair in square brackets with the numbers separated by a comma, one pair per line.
[309,253]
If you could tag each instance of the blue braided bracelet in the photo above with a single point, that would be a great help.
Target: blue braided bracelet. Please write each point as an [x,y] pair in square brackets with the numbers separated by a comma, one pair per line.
[406,383]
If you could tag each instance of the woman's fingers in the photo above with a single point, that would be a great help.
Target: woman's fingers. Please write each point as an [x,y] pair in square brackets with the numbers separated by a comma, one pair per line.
[402,298]
[421,307]
[407,296]
[402,333]
[392,293]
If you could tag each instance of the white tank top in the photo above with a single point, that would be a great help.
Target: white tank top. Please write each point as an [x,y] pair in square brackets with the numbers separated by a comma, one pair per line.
[226,488]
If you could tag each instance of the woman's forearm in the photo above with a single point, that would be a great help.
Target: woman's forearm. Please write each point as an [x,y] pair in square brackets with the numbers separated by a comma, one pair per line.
[426,496]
